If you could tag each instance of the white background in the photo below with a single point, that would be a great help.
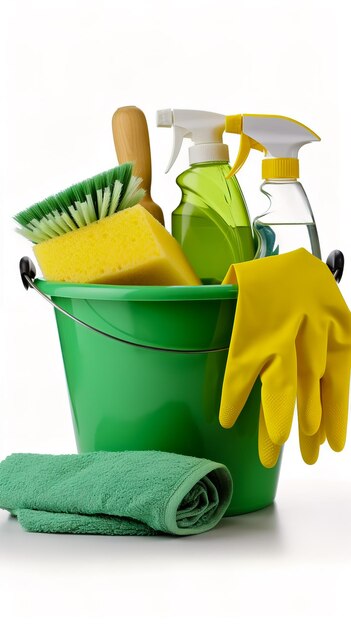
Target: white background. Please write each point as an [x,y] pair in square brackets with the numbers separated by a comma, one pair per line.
[66,66]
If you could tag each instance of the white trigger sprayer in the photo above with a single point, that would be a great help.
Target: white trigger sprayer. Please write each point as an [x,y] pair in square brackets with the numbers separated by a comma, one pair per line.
[288,223]
[205,129]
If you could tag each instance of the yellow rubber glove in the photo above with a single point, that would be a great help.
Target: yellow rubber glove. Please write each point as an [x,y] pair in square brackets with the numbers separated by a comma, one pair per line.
[293,330]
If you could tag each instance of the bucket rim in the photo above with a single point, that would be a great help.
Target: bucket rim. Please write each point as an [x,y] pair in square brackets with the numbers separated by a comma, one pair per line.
[83,291]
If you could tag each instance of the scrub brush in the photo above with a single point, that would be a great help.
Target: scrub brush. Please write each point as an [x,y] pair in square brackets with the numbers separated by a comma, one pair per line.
[97,232]
[132,142]
[80,205]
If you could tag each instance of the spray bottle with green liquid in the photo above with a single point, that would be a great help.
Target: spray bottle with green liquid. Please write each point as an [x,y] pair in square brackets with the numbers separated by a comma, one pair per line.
[211,223]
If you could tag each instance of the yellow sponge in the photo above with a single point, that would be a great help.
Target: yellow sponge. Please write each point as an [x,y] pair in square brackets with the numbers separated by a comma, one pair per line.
[127,248]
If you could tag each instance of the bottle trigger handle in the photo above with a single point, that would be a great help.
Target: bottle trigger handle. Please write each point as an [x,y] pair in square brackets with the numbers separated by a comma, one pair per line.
[178,136]
[246,144]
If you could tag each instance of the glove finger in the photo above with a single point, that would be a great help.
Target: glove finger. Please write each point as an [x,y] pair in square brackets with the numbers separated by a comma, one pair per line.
[268,451]
[309,446]
[309,405]
[311,349]
[278,396]
[237,385]
[322,433]
[335,387]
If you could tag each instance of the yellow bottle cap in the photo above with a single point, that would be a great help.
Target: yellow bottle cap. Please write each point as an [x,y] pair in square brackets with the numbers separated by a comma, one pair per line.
[280,168]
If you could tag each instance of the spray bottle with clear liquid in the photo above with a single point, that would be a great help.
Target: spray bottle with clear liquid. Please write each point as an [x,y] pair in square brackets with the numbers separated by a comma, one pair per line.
[288,223]
[211,222]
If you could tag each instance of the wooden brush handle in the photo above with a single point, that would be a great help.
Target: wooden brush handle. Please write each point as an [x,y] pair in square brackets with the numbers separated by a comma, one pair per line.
[132,143]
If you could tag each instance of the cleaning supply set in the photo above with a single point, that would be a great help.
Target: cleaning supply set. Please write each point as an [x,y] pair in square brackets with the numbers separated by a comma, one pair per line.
[131,310]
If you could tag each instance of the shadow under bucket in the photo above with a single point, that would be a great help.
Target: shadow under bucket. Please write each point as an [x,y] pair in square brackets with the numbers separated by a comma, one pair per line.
[128,397]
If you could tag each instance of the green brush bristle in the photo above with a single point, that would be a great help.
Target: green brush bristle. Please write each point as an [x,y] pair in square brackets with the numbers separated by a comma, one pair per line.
[81,204]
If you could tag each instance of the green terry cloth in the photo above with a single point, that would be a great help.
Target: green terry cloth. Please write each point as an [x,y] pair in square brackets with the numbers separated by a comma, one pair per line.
[115,493]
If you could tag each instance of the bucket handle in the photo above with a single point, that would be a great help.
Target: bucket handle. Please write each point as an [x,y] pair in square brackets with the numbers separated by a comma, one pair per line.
[28,273]
[335,262]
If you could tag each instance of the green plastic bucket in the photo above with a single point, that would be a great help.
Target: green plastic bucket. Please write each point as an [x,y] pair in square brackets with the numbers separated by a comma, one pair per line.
[128,397]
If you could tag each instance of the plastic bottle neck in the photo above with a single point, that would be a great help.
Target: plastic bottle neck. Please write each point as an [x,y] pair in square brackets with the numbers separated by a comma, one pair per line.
[282,167]
[209,164]
[280,181]
[208,152]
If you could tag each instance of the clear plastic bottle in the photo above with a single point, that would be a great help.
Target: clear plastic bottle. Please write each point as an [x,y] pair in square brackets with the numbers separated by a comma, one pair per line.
[288,223]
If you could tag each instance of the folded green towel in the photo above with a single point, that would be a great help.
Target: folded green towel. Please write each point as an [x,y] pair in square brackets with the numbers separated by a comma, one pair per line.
[115,493]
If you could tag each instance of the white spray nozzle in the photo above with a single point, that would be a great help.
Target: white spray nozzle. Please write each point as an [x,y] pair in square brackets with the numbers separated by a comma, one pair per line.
[164,118]
[280,138]
[204,128]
